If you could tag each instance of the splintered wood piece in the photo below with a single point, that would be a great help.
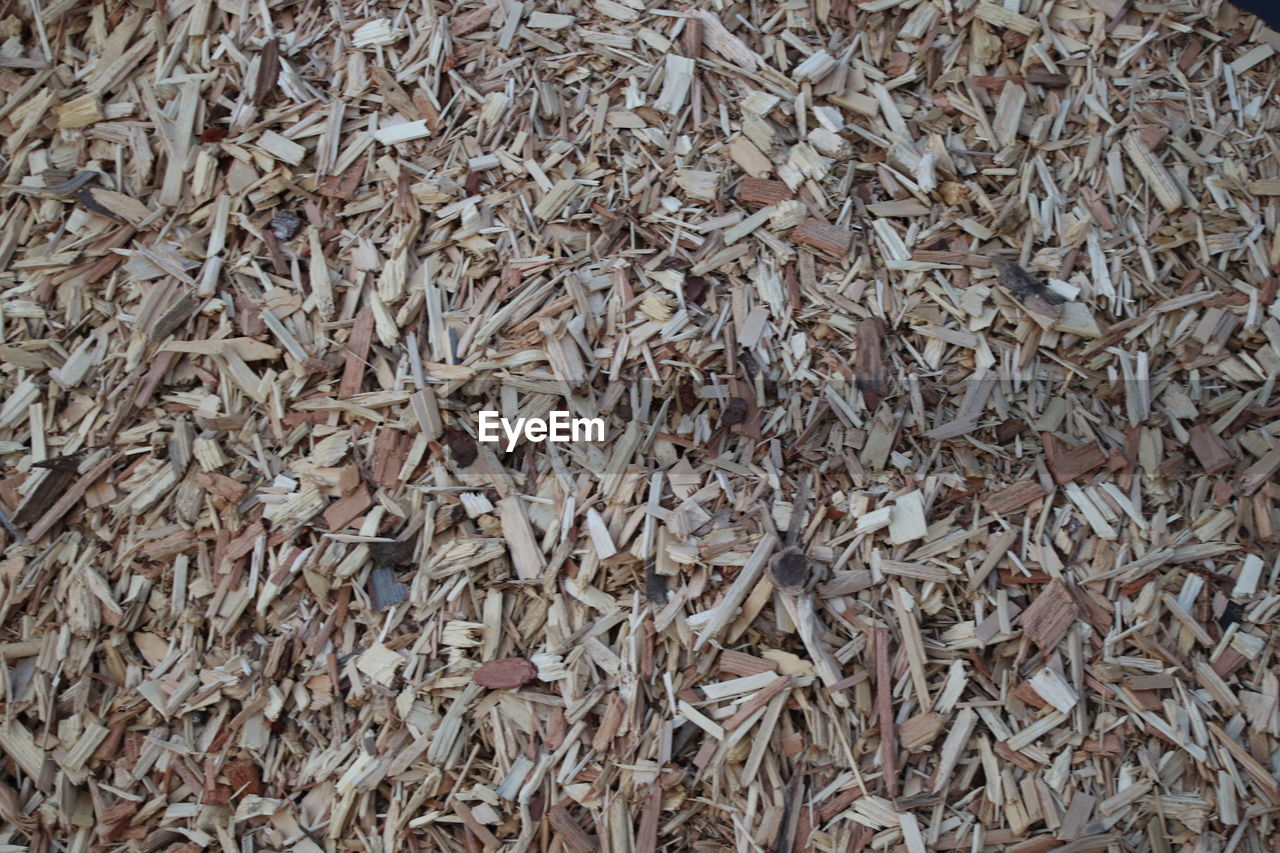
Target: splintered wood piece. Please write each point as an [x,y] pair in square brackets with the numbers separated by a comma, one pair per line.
[1261,778]
[407,131]
[70,498]
[1156,177]
[357,351]
[884,711]
[677,79]
[1014,497]
[1260,472]
[906,519]
[742,584]
[59,473]
[1053,688]
[757,702]
[1209,449]
[79,112]
[1071,464]
[569,833]
[242,775]
[1077,816]
[1001,17]
[1048,79]
[953,746]
[871,372]
[919,731]
[526,556]
[16,742]
[1050,615]
[880,439]
[344,511]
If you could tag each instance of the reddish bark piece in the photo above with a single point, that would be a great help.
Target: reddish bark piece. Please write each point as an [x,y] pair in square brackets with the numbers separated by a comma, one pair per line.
[572,837]
[1014,497]
[155,373]
[343,186]
[505,673]
[647,834]
[755,703]
[268,72]
[994,83]
[1092,608]
[1209,449]
[740,663]
[691,38]
[357,352]
[1046,621]
[1109,744]
[487,839]
[244,543]
[389,457]
[342,512]
[242,774]
[1026,693]
[1067,465]
[61,473]
[841,801]
[609,723]
[884,708]
[831,239]
[113,820]
[760,191]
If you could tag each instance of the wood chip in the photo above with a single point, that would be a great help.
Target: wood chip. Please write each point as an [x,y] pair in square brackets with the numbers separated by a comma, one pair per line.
[1050,615]
[505,674]
[995,279]
[831,239]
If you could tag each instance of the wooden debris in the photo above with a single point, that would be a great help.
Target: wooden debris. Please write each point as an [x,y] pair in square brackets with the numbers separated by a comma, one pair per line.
[1034,294]
[826,238]
[996,281]
[1209,449]
[762,191]
[1069,465]
[1050,615]
[505,673]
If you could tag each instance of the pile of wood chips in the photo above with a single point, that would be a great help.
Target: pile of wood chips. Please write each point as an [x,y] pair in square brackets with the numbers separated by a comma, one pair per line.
[966,303]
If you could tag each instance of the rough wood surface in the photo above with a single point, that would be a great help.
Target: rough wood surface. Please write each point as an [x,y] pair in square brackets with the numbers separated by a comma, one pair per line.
[997,280]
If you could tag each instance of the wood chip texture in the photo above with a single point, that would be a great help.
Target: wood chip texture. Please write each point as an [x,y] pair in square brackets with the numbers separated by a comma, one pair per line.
[996,279]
